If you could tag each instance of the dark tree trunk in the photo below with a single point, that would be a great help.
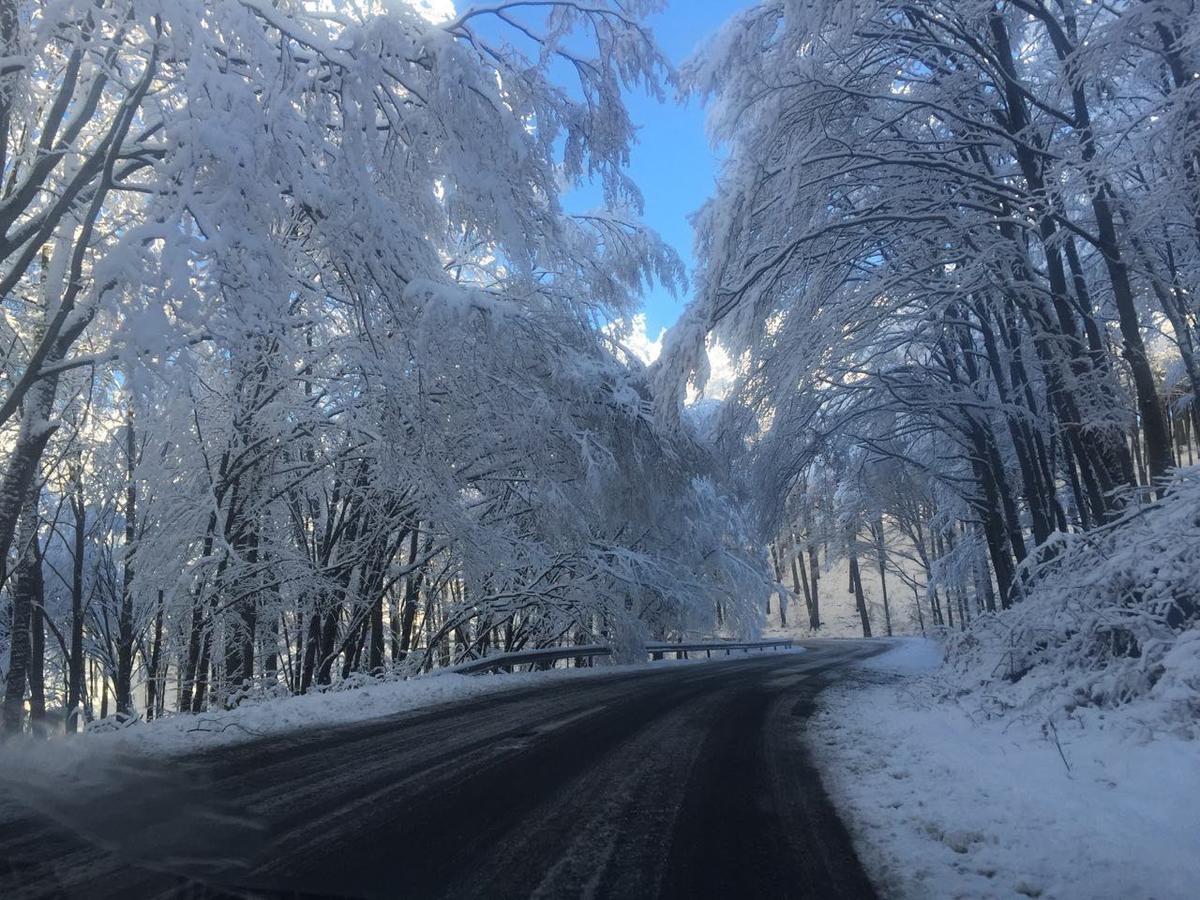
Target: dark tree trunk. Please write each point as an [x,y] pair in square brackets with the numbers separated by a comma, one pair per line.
[1038,496]
[412,597]
[21,470]
[881,556]
[241,620]
[196,635]
[394,625]
[37,645]
[814,574]
[312,646]
[939,552]
[24,595]
[860,601]
[124,677]
[191,665]
[352,647]
[800,576]
[200,697]
[154,664]
[329,647]
[985,442]
[777,567]
[375,658]
[984,584]
[271,654]
[75,686]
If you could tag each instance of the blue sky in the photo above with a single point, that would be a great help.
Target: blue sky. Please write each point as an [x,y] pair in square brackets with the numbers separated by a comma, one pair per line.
[673,163]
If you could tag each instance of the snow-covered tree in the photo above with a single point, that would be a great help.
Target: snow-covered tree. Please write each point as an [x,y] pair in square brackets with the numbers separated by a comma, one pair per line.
[958,239]
[307,368]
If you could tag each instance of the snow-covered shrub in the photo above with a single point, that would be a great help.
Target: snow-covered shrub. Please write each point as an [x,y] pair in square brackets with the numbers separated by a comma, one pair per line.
[1111,618]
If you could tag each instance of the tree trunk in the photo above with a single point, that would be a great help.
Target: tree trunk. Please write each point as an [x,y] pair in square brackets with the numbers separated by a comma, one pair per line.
[154,663]
[328,649]
[860,601]
[37,645]
[24,593]
[196,635]
[75,685]
[200,695]
[881,556]
[412,596]
[124,679]
[271,650]
[777,568]
[375,658]
[814,574]
[800,577]
[19,475]
[312,647]
[394,625]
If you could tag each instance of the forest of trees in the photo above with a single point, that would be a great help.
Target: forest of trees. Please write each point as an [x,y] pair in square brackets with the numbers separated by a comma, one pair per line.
[955,251]
[309,374]
[306,374]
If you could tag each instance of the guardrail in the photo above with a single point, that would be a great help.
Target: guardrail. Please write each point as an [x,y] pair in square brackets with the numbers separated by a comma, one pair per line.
[658,648]
[547,656]
[529,657]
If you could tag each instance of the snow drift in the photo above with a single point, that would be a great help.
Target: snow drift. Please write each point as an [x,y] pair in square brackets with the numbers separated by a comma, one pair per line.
[1110,618]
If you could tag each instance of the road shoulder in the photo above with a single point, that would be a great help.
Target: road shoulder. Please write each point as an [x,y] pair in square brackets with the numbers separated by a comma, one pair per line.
[943,802]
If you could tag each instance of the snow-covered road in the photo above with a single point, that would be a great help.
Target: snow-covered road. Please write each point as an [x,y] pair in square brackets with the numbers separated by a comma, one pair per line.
[682,781]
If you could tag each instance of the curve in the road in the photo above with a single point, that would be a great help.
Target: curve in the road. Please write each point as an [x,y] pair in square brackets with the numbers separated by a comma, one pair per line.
[689,781]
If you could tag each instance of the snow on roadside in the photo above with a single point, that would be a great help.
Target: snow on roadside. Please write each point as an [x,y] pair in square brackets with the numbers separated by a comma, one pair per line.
[943,803]
[57,774]
[356,700]
[346,703]
[908,656]
[40,772]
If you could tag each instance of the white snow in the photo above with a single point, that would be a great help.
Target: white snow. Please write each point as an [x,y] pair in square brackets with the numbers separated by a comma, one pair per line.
[944,802]
[909,655]
[355,700]
[356,703]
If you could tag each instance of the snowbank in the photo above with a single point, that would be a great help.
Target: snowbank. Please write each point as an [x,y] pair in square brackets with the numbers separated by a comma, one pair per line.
[944,802]
[1110,622]
[357,700]
[1055,753]
[349,702]
[354,700]
[44,774]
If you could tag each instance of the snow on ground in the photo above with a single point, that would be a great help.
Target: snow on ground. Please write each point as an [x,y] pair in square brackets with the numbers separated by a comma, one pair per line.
[90,761]
[908,656]
[353,701]
[944,803]
[47,774]
[347,703]
[839,614]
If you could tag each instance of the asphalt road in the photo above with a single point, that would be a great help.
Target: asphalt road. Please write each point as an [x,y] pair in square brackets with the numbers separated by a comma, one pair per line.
[685,781]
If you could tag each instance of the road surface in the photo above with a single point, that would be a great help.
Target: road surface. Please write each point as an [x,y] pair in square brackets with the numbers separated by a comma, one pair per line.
[685,781]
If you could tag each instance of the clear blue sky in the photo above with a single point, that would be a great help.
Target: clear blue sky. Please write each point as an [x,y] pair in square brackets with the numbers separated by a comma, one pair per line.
[673,163]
